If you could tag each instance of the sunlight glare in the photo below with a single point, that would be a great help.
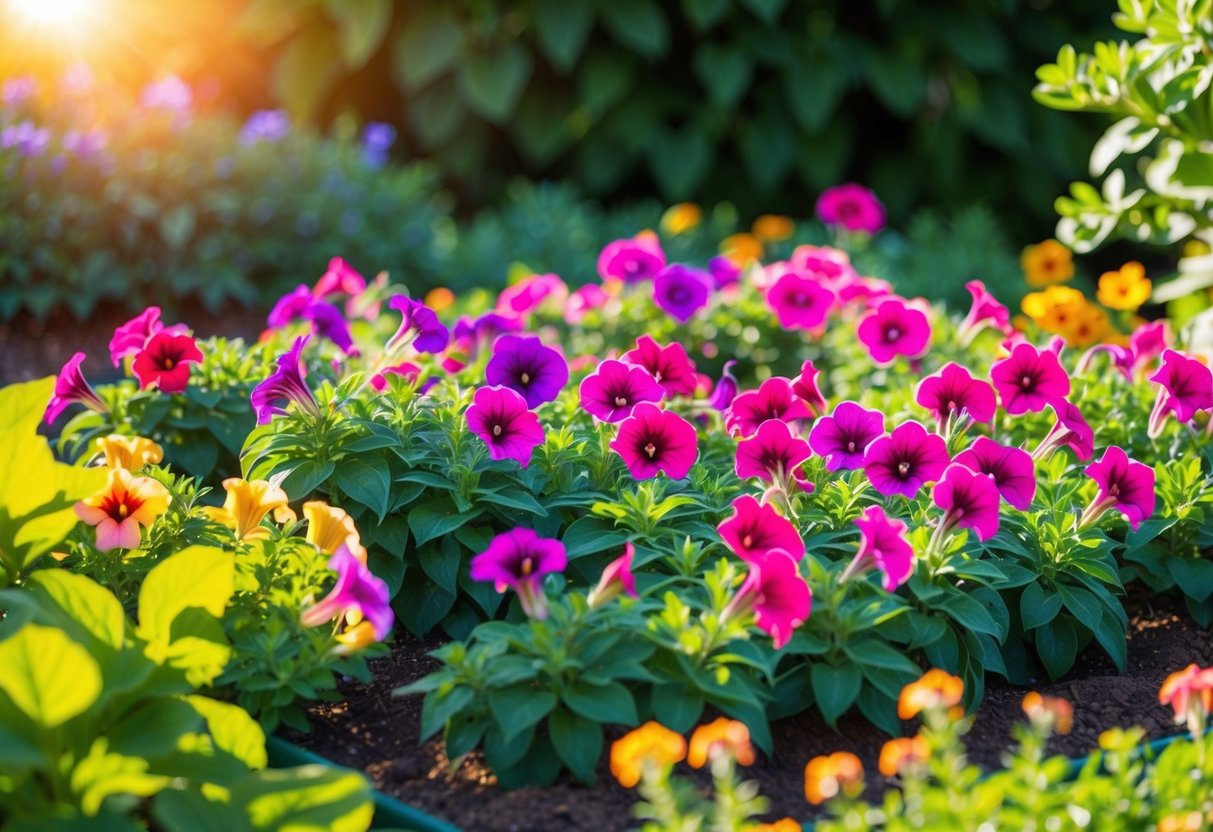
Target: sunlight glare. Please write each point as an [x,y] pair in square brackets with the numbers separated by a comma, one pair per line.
[54,14]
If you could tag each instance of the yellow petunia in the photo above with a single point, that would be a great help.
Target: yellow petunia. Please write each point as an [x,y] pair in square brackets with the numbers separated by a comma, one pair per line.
[329,527]
[129,452]
[247,504]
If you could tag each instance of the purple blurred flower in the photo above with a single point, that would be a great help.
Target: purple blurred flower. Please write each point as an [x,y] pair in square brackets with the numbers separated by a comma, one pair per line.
[18,90]
[726,389]
[632,259]
[290,307]
[681,291]
[285,385]
[377,140]
[524,364]
[28,138]
[170,93]
[265,126]
[724,271]
[328,322]
[85,145]
[419,326]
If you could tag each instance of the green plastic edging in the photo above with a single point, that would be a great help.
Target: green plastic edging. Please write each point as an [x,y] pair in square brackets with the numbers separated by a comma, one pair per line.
[389,812]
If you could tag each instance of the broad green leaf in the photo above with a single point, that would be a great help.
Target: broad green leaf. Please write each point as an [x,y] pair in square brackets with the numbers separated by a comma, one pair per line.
[607,704]
[188,810]
[563,26]
[724,72]
[1037,606]
[421,604]
[679,161]
[428,45]
[361,27]
[436,519]
[49,677]
[199,576]
[676,706]
[312,797]
[153,728]
[305,477]
[577,741]
[83,601]
[493,81]
[232,730]
[307,70]
[639,24]
[104,774]
[367,480]
[518,707]
[1057,646]
[22,405]
[767,10]
[812,90]
[835,689]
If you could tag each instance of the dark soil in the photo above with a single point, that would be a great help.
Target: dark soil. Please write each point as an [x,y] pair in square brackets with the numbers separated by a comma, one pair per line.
[376,732]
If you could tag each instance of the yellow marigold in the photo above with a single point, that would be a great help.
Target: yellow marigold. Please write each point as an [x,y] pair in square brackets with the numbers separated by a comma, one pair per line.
[129,452]
[680,218]
[1046,263]
[247,504]
[827,776]
[328,527]
[1127,288]
[781,825]
[1056,308]
[743,249]
[898,753]
[771,228]
[650,742]
[936,689]
[722,736]
[1050,710]
[439,299]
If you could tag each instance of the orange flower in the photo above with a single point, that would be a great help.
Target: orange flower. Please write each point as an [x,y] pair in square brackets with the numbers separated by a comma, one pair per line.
[781,825]
[826,776]
[1055,309]
[936,689]
[650,743]
[129,452]
[901,752]
[1189,822]
[329,527]
[1046,263]
[1125,289]
[743,249]
[247,504]
[1090,327]
[121,507]
[1050,711]
[1189,692]
[439,299]
[723,736]
[771,228]
[680,218]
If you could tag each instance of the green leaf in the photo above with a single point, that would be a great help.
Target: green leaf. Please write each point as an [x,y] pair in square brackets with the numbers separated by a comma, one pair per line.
[1194,576]
[835,689]
[1111,636]
[1057,646]
[578,742]
[676,706]
[766,10]
[232,730]
[84,601]
[153,727]
[437,112]
[812,90]
[724,72]
[22,405]
[493,81]
[563,27]
[1082,605]
[367,480]
[679,161]
[899,80]
[307,70]
[312,797]
[436,519]
[177,225]
[439,707]
[305,477]
[361,27]
[49,677]
[518,707]
[587,535]
[198,577]
[970,614]
[440,565]
[705,14]
[421,604]
[878,654]
[639,24]
[611,703]
[428,45]
[189,811]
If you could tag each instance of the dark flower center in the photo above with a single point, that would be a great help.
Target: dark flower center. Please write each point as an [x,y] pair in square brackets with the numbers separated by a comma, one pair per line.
[1026,382]
[903,468]
[497,430]
[1114,490]
[167,363]
[892,333]
[651,450]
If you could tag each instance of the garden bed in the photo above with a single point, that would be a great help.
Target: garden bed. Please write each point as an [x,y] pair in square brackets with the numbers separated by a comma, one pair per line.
[374,731]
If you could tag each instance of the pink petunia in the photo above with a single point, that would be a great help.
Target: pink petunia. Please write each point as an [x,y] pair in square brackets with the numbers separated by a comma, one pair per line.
[805,386]
[132,336]
[772,453]
[616,578]
[954,391]
[882,544]
[775,593]
[799,301]
[1013,470]
[1124,484]
[632,259]
[906,459]
[773,399]
[614,388]
[670,365]
[842,437]
[588,297]
[756,527]
[1070,429]
[528,294]
[1029,380]
[519,559]
[985,311]
[71,387]
[500,416]
[851,206]
[653,440]
[340,278]
[1185,389]
[895,328]
[969,500]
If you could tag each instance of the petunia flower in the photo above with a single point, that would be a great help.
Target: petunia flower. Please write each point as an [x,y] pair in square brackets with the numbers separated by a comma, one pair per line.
[681,291]
[1190,693]
[882,544]
[519,559]
[405,369]
[954,393]
[614,388]
[864,292]
[246,505]
[1029,380]
[771,453]
[773,399]
[985,311]
[903,461]
[290,307]
[724,272]
[121,507]
[894,328]
[775,593]
[72,388]
[1185,388]
[528,294]
[1123,359]
[669,365]
[582,300]
[284,386]
[851,206]
[799,301]
[130,338]
[969,500]
[726,389]
[1124,484]
[470,336]
[499,416]
[165,362]
[829,265]
[653,440]
[901,753]
[1013,470]
[756,527]
[632,260]
[129,452]
[1069,429]
[358,595]
[525,365]
[329,322]
[805,387]
[329,528]
[1149,341]
[615,579]
[842,437]
[340,278]
[419,326]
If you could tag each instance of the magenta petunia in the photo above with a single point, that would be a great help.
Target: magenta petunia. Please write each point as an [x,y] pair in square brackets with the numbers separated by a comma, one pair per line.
[71,387]
[756,527]
[775,593]
[1186,388]
[340,278]
[985,311]
[773,399]
[895,328]
[357,591]
[1013,470]
[524,364]
[726,389]
[771,453]
[842,437]
[954,391]
[165,362]
[582,301]
[831,266]
[851,206]
[284,386]
[1029,380]
[329,322]
[500,417]
[904,460]
[530,293]
[632,259]
[419,326]
[616,578]
[1124,484]
[864,292]
[882,544]
[681,291]
[519,559]
[614,388]
[290,306]
[1123,359]
[1149,341]
[653,440]
[724,272]
[969,500]
[670,365]
[799,301]
[405,369]
[805,387]
[132,336]
[1070,429]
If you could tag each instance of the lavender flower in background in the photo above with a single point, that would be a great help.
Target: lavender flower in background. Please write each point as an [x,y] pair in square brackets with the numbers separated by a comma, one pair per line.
[377,140]
[28,138]
[170,93]
[18,90]
[265,126]
[86,145]
[681,291]
[77,80]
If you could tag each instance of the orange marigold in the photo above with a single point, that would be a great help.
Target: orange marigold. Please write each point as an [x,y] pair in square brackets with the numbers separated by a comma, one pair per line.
[1127,288]
[771,228]
[1046,263]
[722,736]
[650,742]
[743,249]
[781,825]
[681,218]
[827,776]
[1051,710]
[936,689]
[898,753]
[439,298]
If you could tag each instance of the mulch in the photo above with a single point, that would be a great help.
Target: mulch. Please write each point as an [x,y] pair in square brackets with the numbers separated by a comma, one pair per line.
[377,732]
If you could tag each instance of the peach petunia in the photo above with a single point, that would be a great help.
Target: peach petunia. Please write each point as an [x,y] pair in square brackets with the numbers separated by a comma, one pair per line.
[121,507]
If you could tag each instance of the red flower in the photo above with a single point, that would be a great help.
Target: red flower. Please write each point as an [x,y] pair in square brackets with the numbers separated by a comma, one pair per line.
[165,361]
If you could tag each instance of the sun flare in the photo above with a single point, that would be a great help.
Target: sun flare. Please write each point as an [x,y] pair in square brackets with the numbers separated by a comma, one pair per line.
[54,15]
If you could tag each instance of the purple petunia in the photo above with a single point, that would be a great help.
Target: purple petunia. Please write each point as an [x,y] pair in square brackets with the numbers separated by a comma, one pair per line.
[419,326]
[843,436]
[906,459]
[681,291]
[284,386]
[519,559]
[524,364]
